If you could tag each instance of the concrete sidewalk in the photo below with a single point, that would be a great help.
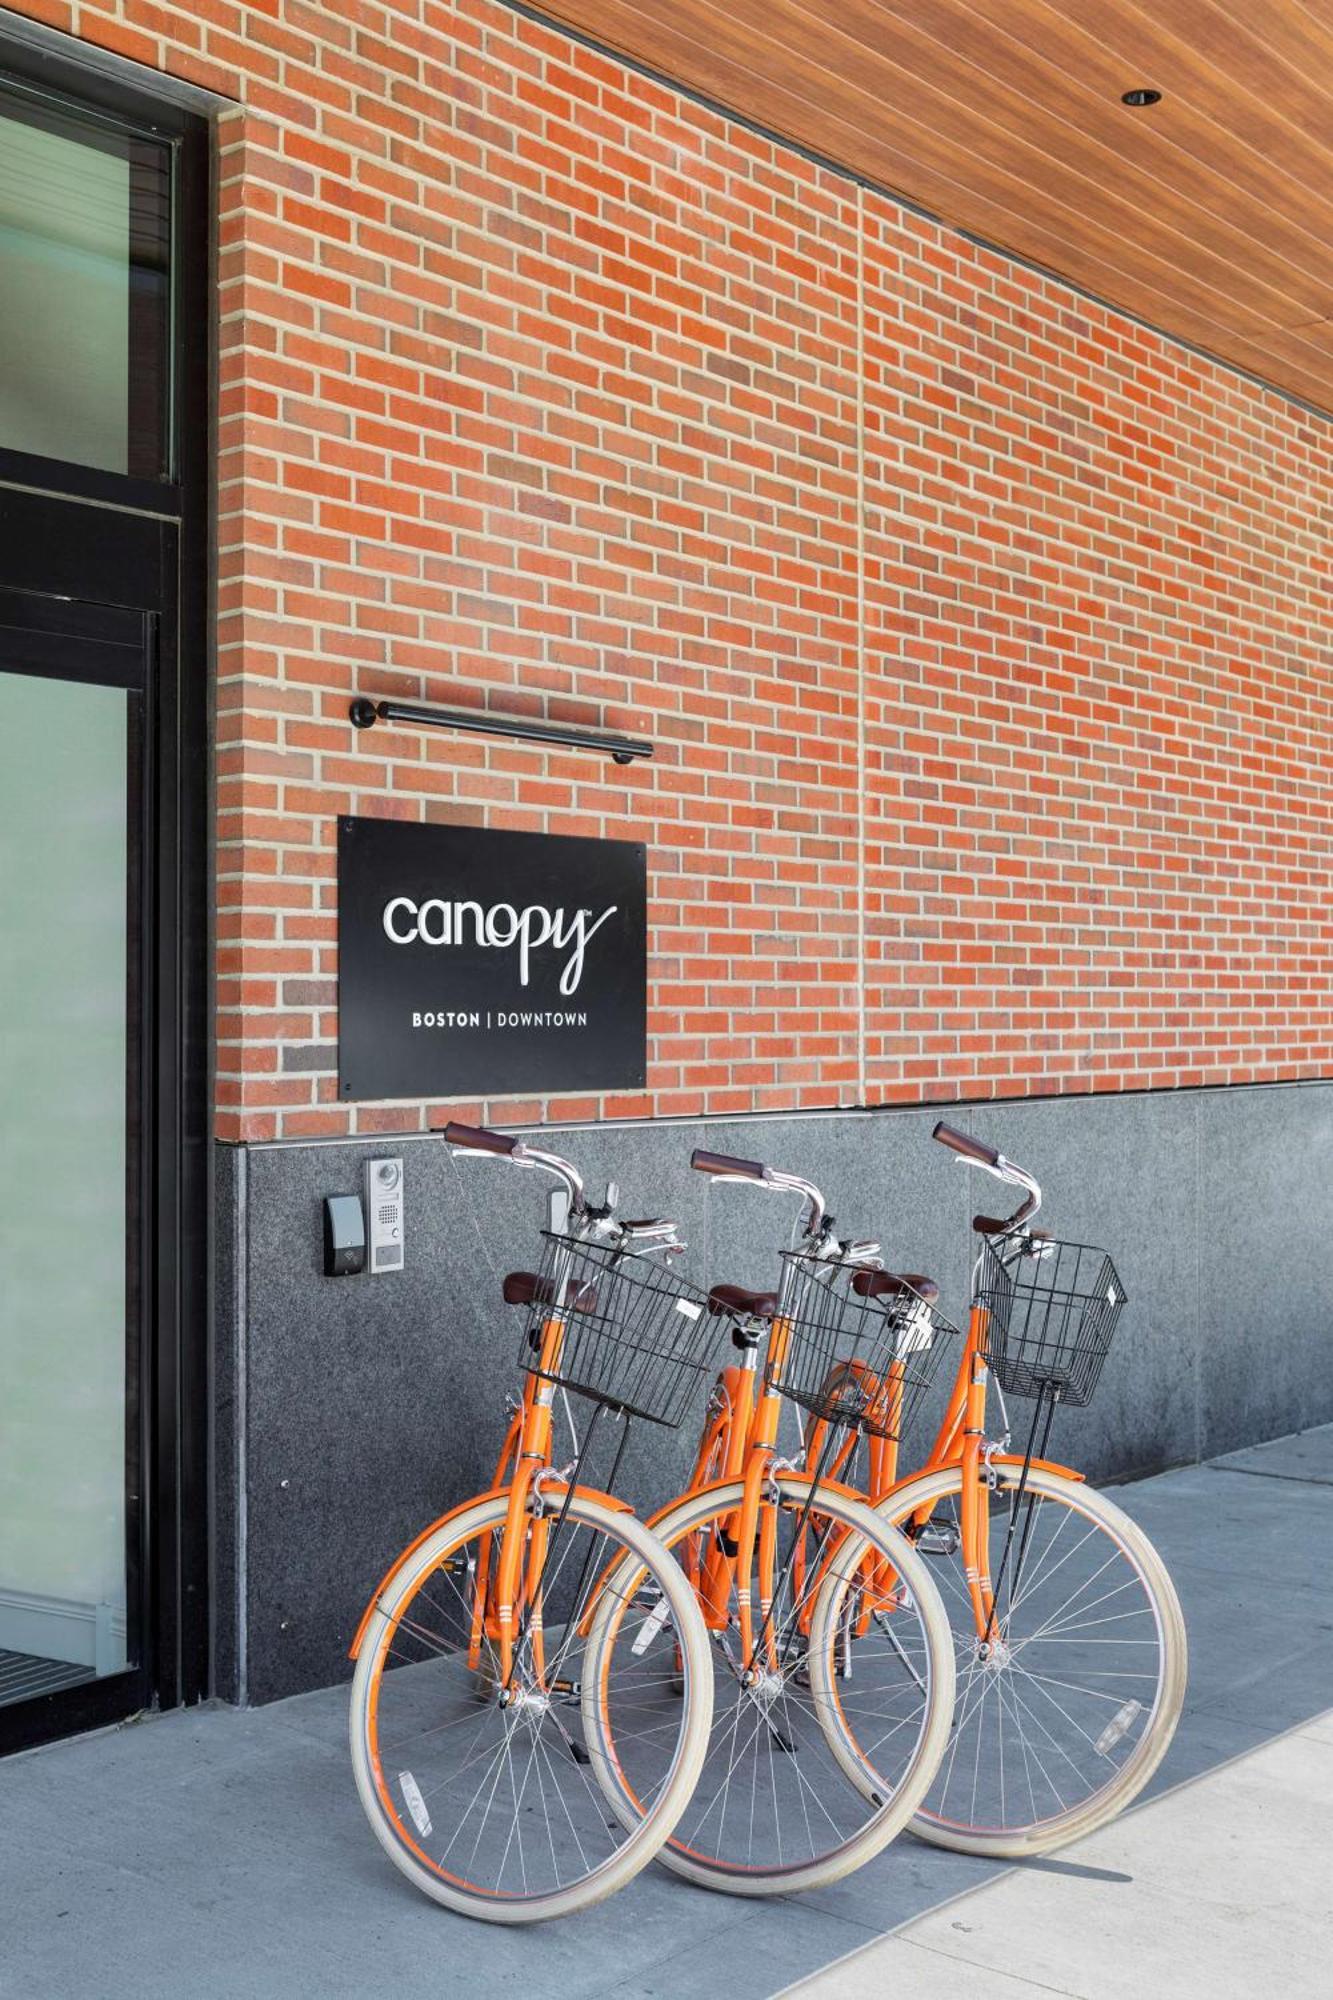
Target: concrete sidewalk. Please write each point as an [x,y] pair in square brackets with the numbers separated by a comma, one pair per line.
[223,1856]
[1221,1888]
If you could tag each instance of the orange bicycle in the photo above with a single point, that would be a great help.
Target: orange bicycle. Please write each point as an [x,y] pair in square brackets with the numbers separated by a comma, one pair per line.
[536,1656]
[830,1645]
[1069,1641]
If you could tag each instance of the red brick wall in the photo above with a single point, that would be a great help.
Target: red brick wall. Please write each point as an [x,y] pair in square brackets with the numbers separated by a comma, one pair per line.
[980,630]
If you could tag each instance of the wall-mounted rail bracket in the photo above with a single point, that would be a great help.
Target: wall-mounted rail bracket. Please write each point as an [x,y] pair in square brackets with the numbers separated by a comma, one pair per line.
[365,713]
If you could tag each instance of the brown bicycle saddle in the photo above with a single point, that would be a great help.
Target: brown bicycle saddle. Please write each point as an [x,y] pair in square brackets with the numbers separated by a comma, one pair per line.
[739,1299]
[528,1288]
[892,1285]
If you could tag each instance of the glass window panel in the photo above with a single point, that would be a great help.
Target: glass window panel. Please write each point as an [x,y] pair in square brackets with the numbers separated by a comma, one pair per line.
[65,777]
[83,291]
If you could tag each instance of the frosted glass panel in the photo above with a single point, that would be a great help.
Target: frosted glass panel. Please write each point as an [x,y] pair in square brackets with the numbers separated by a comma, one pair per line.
[82,294]
[63,1044]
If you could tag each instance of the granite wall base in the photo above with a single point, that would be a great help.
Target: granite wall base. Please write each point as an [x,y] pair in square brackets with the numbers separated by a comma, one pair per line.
[351,1412]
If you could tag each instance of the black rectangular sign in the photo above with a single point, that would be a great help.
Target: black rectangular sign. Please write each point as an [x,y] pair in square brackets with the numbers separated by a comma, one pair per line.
[474,963]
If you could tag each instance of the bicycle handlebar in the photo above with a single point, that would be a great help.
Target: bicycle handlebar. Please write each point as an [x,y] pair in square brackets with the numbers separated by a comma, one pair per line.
[506,1146]
[723,1166]
[480,1139]
[992,1161]
[654,1233]
[966,1147]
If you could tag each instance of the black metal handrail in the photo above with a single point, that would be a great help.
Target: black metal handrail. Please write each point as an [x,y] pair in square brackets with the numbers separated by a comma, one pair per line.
[365,713]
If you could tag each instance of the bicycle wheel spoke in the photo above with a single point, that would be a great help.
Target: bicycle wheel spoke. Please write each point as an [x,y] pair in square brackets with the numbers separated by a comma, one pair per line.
[1057,1622]
[1040,1683]
[1037,1581]
[775,1797]
[1053,1702]
[733,1751]
[986,1689]
[490,1780]
[1016,1712]
[1053,1741]
[516,1824]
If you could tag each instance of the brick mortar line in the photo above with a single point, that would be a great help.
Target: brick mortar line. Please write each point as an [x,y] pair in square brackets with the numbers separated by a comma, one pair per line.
[1194,412]
[894,506]
[1197,448]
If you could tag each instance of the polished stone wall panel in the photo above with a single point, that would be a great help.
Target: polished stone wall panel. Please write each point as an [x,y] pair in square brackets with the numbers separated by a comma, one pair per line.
[371,1405]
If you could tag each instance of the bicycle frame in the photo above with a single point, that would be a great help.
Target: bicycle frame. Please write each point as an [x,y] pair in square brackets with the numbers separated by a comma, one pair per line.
[748,1425]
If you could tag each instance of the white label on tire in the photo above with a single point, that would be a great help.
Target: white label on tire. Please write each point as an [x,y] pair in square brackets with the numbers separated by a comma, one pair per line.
[416,1805]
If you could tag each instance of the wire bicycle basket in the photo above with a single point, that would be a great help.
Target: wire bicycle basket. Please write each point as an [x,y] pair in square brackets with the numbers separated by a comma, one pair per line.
[637,1337]
[863,1347]
[1052,1310]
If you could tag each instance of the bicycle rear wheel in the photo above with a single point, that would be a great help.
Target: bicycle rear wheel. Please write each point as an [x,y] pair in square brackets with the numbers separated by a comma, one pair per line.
[775,1811]
[1066,1710]
[483,1792]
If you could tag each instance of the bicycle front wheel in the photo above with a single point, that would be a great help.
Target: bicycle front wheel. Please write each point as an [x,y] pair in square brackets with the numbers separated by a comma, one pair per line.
[1067,1705]
[839,1601]
[481,1788]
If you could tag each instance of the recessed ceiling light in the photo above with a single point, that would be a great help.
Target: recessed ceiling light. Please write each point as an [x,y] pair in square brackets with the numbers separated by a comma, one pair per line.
[1136,98]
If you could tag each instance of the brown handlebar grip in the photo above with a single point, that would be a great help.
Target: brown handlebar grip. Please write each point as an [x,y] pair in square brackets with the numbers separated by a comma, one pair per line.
[479,1139]
[723,1163]
[968,1147]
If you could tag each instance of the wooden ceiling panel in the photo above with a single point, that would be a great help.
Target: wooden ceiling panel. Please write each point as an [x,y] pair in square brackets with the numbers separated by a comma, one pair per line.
[996,207]
[1209,214]
[1086,176]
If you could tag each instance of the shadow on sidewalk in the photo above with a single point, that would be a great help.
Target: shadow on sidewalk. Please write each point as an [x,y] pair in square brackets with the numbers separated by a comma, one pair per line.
[223,1854]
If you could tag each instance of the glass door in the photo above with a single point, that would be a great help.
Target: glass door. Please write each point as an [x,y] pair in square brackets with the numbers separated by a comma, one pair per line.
[74,687]
[105,978]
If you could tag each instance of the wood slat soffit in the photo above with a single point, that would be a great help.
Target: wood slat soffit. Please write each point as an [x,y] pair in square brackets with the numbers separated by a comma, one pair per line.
[1209,214]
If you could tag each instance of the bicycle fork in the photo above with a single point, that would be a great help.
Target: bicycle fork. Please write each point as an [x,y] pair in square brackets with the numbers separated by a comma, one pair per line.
[975,1508]
[977,1483]
[729,1562]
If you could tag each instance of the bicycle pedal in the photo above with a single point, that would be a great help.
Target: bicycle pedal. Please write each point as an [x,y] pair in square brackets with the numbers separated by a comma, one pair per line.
[936,1538]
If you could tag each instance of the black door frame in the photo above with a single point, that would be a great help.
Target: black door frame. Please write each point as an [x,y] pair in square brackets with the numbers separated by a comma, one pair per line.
[101,539]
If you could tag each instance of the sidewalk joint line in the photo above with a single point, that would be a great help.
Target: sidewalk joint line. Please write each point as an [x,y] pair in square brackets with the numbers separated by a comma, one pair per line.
[1258,1472]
